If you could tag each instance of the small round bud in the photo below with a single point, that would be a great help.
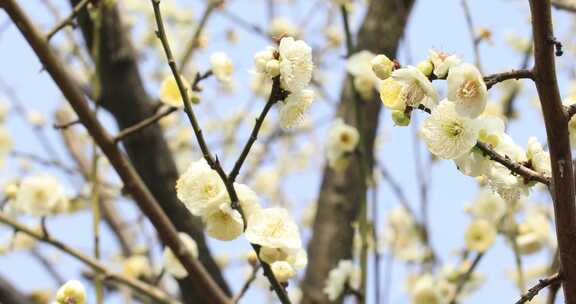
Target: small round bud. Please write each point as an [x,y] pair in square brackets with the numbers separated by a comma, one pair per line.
[10,190]
[72,292]
[252,258]
[426,67]
[272,68]
[195,99]
[400,118]
[382,66]
[283,271]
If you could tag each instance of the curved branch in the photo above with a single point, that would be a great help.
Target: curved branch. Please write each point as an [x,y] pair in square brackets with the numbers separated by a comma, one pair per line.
[542,283]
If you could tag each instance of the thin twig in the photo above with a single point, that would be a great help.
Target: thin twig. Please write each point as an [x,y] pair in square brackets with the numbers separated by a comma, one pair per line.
[542,283]
[137,285]
[472,33]
[144,123]
[247,284]
[69,20]
[565,5]
[493,79]
[193,44]
[466,276]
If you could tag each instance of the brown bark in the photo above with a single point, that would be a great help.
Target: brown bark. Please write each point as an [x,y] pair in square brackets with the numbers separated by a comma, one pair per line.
[341,193]
[556,120]
[124,96]
[9,293]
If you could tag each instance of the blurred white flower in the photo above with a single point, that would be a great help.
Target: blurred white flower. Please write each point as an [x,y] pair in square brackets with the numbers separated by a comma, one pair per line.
[346,274]
[222,66]
[171,263]
[40,195]
[72,292]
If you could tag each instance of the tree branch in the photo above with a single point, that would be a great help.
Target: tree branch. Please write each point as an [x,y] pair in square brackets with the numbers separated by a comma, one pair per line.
[493,79]
[69,20]
[203,283]
[542,283]
[556,122]
[149,290]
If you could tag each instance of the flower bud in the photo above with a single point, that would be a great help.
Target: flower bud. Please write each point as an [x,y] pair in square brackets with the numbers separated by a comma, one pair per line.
[382,66]
[426,67]
[72,292]
[400,118]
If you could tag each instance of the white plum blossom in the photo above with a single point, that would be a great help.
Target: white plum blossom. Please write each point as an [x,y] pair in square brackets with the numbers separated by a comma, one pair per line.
[224,223]
[39,195]
[274,228]
[295,64]
[200,188]
[480,235]
[426,291]
[283,271]
[447,134]
[417,89]
[280,27]
[222,67]
[342,140]
[345,275]
[538,158]
[294,108]
[488,206]
[171,263]
[442,62]
[466,88]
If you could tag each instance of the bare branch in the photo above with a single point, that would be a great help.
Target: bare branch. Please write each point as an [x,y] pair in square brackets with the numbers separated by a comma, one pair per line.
[69,20]
[542,283]
[514,74]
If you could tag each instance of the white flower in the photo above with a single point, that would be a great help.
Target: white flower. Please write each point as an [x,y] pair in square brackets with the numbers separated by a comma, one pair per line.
[467,89]
[359,64]
[346,274]
[447,134]
[283,271]
[538,158]
[426,292]
[391,94]
[480,235]
[262,62]
[343,137]
[224,223]
[488,206]
[137,266]
[342,140]
[333,35]
[222,66]
[169,92]
[280,27]
[533,233]
[294,107]
[274,228]
[296,257]
[416,88]
[248,199]
[72,292]
[442,62]
[171,263]
[295,64]
[39,195]
[200,188]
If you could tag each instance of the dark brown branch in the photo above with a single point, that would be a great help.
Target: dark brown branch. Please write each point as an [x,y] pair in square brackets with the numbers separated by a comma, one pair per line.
[203,283]
[144,123]
[517,168]
[556,122]
[565,5]
[69,20]
[514,74]
[275,95]
[542,283]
